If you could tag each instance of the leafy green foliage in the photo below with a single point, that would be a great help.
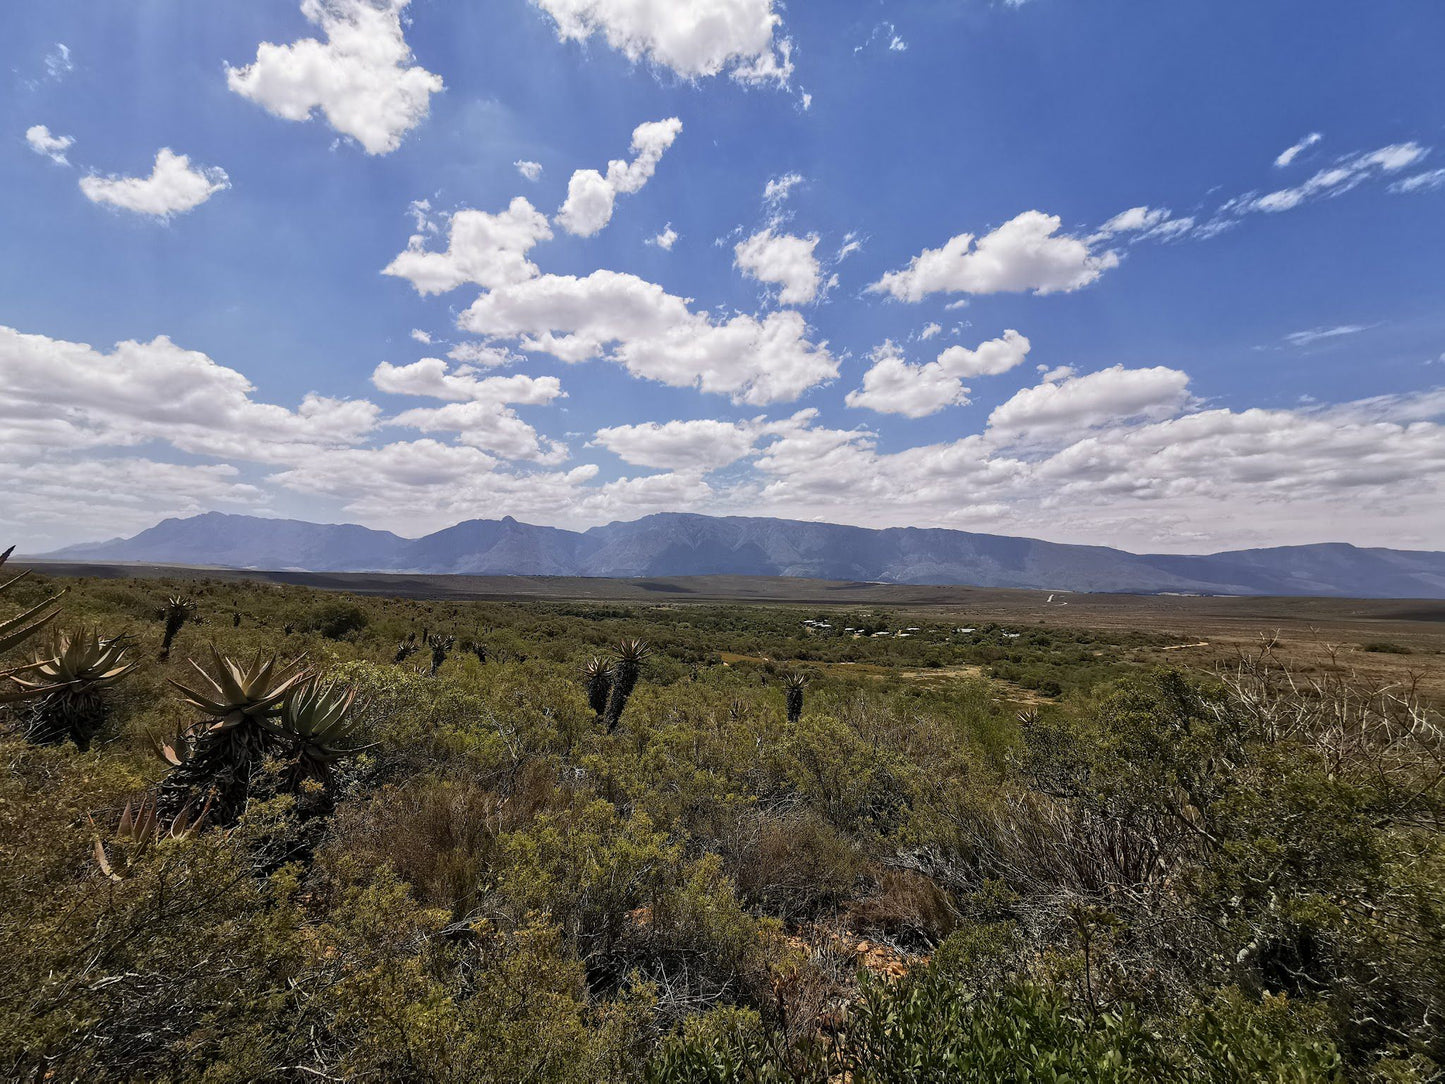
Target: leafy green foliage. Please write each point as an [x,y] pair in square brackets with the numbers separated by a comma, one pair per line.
[336,619]
[1149,876]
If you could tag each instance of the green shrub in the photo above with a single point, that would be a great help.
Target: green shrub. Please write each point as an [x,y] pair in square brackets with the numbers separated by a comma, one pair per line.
[337,619]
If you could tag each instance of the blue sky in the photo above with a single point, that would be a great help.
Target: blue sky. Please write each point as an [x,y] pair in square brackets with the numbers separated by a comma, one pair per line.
[1035,268]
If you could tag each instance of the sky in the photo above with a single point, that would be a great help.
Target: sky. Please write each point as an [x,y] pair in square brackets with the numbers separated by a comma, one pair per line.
[1166,277]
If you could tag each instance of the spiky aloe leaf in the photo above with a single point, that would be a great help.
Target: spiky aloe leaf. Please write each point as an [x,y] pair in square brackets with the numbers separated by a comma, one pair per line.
[17,693]
[632,652]
[80,657]
[140,828]
[318,718]
[317,723]
[223,753]
[175,750]
[71,686]
[233,693]
[16,630]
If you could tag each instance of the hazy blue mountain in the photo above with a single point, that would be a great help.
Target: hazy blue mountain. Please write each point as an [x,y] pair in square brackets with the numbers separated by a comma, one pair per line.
[484,547]
[678,544]
[227,541]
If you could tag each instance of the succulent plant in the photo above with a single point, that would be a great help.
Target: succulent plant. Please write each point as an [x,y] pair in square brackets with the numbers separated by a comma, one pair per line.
[175,613]
[317,720]
[141,828]
[598,677]
[14,631]
[218,756]
[441,646]
[793,685]
[236,694]
[626,669]
[70,684]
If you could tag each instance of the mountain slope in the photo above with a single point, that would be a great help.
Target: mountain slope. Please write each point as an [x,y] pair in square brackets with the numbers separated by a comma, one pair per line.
[250,542]
[678,544]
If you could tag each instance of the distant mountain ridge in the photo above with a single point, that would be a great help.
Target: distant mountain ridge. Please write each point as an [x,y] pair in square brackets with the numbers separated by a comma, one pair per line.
[684,544]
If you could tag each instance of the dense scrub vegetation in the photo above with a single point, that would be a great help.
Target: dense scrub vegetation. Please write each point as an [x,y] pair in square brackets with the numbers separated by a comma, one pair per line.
[471,842]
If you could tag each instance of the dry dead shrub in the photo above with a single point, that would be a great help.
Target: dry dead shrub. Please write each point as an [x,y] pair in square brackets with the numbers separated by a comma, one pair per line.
[791,865]
[814,984]
[1389,738]
[907,908]
[1037,843]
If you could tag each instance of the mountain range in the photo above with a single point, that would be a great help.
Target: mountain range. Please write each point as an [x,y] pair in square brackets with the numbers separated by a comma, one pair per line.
[683,544]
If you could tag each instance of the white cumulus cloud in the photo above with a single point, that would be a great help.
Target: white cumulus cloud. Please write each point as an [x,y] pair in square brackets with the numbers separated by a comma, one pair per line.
[694,38]
[362,77]
[784,260]
[173,187]
[478,409]
[700,445]
[431,377]
[530,170]
[655,335]
[591,195]
[486,249]
[892,385]
[1079,403]
[62,394]
[1025,254]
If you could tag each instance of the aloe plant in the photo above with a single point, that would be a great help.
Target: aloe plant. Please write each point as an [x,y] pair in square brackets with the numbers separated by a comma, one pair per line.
[141,828]
[626,669]
[217,758]
[598,678]
[176,612]
[16,630]
[441,646]
[70,684]
[317,721]
[793,686]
